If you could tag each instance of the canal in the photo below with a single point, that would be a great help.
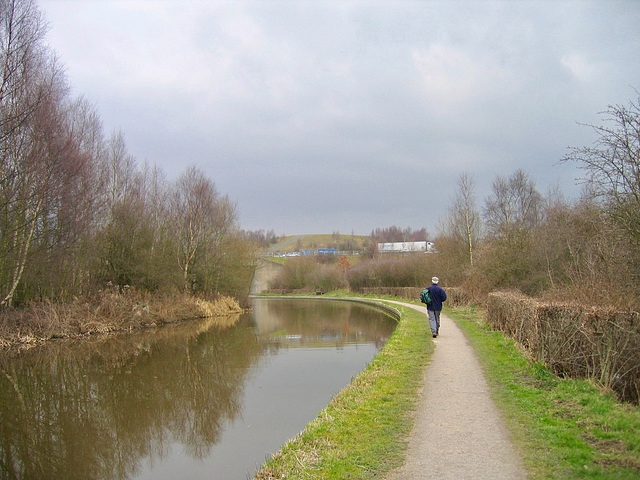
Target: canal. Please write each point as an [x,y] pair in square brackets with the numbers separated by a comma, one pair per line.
[197,400]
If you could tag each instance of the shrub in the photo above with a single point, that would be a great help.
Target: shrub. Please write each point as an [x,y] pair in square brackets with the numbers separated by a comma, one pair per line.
[295,273]
[408,270]
[327,278]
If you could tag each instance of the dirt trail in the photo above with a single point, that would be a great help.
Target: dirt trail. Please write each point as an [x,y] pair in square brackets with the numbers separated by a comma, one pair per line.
[458,431]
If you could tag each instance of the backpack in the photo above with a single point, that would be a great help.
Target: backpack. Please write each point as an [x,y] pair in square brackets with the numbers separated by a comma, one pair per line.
[425,296]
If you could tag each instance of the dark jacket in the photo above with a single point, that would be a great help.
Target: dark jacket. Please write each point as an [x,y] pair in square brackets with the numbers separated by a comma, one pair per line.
[438,295]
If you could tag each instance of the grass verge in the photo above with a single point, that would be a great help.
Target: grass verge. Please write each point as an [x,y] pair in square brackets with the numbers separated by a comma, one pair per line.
[362,432]
[564,428]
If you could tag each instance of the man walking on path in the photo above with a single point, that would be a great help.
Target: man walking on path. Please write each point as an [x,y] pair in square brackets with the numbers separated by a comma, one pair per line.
[438,295]
[458,432]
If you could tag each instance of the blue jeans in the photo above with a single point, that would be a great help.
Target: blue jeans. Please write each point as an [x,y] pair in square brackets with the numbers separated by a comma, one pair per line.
[434,320]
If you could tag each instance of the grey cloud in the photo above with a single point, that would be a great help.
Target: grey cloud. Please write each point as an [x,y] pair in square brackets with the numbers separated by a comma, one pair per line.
[323,116]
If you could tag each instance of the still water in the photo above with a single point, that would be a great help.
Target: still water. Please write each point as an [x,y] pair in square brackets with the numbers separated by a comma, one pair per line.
[196,400]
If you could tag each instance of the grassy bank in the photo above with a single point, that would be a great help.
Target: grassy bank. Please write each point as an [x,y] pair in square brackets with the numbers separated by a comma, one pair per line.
[110,310]
[361,433]
[565,428]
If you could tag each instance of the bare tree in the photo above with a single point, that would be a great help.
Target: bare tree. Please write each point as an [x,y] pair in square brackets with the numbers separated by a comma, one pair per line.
[397,234]
[226,243]
[22,31]
[612,164]
[512,213]
[463,222]
[120,170]
[65,190]
[514,204]
[87,194]
[193,210]
[31,142]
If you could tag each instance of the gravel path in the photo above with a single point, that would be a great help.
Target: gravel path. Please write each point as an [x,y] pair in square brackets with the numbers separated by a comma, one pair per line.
[458,431]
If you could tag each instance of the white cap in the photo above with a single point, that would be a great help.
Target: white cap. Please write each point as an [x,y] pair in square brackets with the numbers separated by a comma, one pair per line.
[435,279]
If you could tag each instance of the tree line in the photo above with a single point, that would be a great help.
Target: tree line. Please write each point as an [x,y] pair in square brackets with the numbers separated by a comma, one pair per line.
[77,211]
[398,234]
[543,245]
[586,250]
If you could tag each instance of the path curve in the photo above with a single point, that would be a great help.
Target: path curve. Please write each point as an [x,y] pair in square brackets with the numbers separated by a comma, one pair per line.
[458,431]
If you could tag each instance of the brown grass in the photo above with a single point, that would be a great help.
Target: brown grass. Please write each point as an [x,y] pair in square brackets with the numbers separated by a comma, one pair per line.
[108,311]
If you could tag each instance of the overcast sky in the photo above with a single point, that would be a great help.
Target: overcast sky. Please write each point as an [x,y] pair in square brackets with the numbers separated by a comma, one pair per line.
[324,116]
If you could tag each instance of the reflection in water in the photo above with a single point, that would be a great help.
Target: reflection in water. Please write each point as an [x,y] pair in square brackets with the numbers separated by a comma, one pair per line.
[191,399]
[316,322]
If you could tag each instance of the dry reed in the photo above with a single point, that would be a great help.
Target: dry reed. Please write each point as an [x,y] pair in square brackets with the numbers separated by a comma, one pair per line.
[109,311]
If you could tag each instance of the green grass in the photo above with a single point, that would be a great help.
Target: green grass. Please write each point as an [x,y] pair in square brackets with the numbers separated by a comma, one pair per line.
[315,241]
[362,433]
[564,428]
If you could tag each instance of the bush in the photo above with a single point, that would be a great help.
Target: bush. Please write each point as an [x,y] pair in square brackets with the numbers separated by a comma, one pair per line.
[295,274]
[408,270]
[388,271]
[327,278]
[310,274]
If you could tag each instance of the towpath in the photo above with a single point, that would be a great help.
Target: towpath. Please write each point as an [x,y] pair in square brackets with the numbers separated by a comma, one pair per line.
[458,431]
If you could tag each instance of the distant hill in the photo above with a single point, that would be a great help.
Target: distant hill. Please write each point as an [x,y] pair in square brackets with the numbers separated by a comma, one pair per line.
[313,242]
